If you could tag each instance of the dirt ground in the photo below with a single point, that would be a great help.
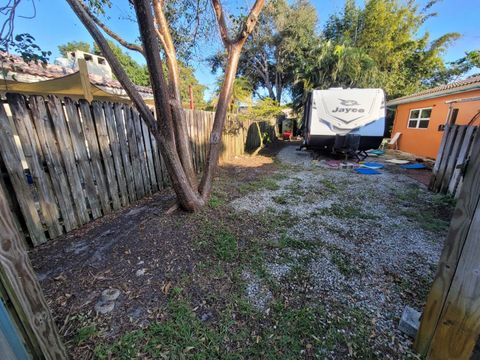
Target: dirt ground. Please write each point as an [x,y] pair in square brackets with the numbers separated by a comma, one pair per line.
[290,259]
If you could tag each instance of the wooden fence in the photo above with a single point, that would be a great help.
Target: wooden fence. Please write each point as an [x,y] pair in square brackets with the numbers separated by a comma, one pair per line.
[65,163]
[450,325]
[455,149]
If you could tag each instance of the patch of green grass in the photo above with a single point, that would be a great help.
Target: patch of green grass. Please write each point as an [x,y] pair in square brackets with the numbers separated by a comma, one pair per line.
[286,241]
[225,245]
[330,185]
[296,190]
[280,199]
[260,184]
[409,195]
[426,219]
[442,200]
[218,239]
[309,332]
[182,335]
[215,202]
[274,221]
[84,334]
[343,262]
[290,333]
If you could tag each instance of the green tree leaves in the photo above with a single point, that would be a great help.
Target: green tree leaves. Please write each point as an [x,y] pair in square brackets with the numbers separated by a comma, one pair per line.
[71,46]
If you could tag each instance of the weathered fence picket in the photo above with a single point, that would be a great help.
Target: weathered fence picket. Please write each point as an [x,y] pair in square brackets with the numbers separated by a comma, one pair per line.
[13,163]
[70,162]
[455,149]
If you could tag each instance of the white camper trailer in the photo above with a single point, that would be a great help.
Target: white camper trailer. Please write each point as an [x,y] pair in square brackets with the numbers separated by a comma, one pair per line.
[336,112]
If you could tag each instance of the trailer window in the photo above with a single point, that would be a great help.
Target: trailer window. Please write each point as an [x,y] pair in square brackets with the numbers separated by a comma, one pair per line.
[419,118]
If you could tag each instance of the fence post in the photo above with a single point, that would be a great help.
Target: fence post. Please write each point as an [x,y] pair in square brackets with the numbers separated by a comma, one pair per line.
[23,289]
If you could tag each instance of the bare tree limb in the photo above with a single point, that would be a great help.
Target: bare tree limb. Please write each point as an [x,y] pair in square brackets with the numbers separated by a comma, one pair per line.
[165,36]
[111,33]
[222,24]
[79,9]
[250,22]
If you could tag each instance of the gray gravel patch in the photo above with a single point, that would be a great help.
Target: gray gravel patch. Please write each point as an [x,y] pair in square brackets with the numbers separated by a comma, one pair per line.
[357,225]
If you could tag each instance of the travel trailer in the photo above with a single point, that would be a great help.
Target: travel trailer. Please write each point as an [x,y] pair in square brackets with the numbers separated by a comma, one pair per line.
[335,113]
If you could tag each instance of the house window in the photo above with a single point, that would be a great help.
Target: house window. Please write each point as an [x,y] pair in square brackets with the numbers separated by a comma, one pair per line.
[419,118]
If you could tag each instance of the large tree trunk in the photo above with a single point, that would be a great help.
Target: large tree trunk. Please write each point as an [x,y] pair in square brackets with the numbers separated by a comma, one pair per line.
[169,129]
[162,128]
[179,122]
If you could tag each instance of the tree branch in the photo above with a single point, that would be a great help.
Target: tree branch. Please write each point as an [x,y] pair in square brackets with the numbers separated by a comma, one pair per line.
[79,9]
[222,24]
[250,22]
[111,33]
[165,36]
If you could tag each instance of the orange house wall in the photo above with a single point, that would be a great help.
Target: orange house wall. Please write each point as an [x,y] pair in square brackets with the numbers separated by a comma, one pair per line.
[426,142]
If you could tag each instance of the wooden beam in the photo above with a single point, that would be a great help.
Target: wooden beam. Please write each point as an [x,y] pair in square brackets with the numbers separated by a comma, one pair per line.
[85,79]
[21,284]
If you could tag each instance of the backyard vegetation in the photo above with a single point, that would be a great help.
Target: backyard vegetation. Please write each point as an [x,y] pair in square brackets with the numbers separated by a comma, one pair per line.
[289,259]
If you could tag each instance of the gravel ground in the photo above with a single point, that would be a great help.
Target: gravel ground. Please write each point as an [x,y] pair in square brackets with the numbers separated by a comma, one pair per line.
[366,252]
[290,259]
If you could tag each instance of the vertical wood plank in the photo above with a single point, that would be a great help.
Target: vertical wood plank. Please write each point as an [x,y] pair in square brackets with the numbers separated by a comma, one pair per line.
[110,111]
[111,186]
[462,156]
[459,228]
[34,158]
[452,160]
[12,203]
[121,115]
[445,158]
[439,158]
[53,159]
[137,121]
[95,157]
[66,149]
[202,137]
[12,161]
[134,156]
[81,155]
[21,284]
[189,119]
[149,156]
[157,163]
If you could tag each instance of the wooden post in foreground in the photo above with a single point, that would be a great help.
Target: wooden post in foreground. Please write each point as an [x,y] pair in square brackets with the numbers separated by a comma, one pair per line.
[24,291]
[450,325]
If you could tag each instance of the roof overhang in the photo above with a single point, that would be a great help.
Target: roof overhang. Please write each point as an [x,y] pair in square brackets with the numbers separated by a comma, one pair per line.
[460,89]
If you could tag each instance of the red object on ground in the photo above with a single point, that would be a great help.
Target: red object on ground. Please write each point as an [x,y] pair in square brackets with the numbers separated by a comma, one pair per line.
[287,135]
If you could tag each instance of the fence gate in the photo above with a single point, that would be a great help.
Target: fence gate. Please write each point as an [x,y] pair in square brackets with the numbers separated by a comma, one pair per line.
[450,325]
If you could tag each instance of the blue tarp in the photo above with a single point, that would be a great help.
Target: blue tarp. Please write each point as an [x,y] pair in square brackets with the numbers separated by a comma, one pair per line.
[413,166]
[367,171]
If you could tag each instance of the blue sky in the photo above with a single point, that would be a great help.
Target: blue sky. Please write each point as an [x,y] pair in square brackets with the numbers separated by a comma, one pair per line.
[56,24]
